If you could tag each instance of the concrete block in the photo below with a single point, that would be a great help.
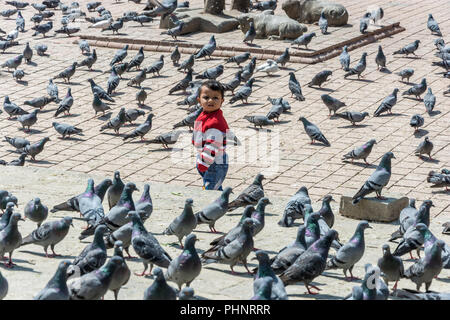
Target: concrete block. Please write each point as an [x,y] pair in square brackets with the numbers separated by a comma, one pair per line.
[373,209]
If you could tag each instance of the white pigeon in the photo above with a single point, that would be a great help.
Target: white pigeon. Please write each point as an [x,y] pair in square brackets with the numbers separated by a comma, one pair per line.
[104,24]
[376,13]
[269,67]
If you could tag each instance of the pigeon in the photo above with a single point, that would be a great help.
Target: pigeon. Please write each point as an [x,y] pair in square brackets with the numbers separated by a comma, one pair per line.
[147,246]
[379,179]
[250,195]
[387,104]
[13,63]
[284,58]
[425,147]
[175,56]
[166,138]
[116,122]
[238,59]
[67,73]
[56,288]
[7,44]
[310,264]
[175,31]
[287,256]
[39,102]
[294,87]
[17,4]
[132,114]
[36,211]
[280,101]
[258,215]
[5,200]
[38,6]
[91,6]
[352,116]
[12,109]
[101,24]
[142,19]
[120,55]
[65,104]
[320,78]
[142,129]
[10,238]
[52,90]
[183,84]
[259,120]
[433,26]
[344,59]
[20,162]
[416,122]
[425,269]
[95,284]
[68,30]
[408,212]
[439,180]
[313,132]
[187,266]
[115,26]
[207,49]
[189,120]
[8,211]
[359,68]
[264,291]
[351,252]
[27,53]
[380,59]
[144,206]
[304,39]
[376,14]
[138,79]
[269,67]
[211,73]
[275,112]
[429,100]
[136,60]
[49,234]
[160,290]
[163,9]
[247,71]
[84,46]
[413,239]
[332,104]
[8,13]
[295,208]
[13,35]
[406,73]
[391,266]
[409,48]
[250,35]
[187,64]
[416,295]
[121,274]
[18,74]
[244,92]
[141,96]
[235,251]
[17,142]
[66,129]
[42,28]
[215,210]
[27,120]
[326,212]
[361,152]
[430,240]
[89,60]
[113,81]
[312,232]
[372,287]
[99,106]
[417,89]
[102,94]
[364,23]
[265,270]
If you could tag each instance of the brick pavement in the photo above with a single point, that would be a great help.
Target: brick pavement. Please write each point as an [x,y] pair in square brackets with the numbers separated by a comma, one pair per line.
[317,167]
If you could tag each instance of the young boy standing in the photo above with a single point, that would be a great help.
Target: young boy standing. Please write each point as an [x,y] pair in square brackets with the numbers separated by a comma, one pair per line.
[209,137]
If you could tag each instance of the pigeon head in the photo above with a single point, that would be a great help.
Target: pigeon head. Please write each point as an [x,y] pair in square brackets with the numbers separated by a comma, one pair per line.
[68,220]
[189,202]
[186,293]
[417,42]
[130,186]
[247,223]
[189,242]
[14,200]
[328,198]
[428,204]
[303,120]
[10,206]
[386,249]
[247,212]
[429,91]
[427,139]
[100,230]
[345,48]
[74,64]
[371,142]
[364,55]
[250,82]
[313,217]
[365,114]
[396,90]
[158,273]
[313,34]
[37,201]
[118,243]
[150,117]
[15,217]
[261,256]
[363,225]
[161,57]
[7,99]
[440,244]
[63,265]
[423,82]
[264,201]
[213,39]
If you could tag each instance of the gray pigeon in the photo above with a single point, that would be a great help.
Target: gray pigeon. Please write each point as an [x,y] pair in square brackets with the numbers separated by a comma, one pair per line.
[49,234]
[102,94]
[186,293]
[408,212]
[166,138]
[413,239]
[160,290]
[99,106]
[361,152]
[406,73]
[156,66]
[116,122]
[320,78]
[380,59]
[36,211]
[144,206]
[147,246]
[294,87]
[377,180]
[132,114]
[351,252]
[235,251]
[215,210]
[136,61]
[6,216]
[387,104]
[364,23]
[66,129]
[187,266]
[332,104]
[184,224]
[12,109]
[425,147]
[359,68]
[115,190]
[369,286]
[258,215]
[142,129]
[175,31]
[250,35]
[18,74]
[137,79]
[211,73]
[67,73]
[113,82]
[264,291]
[244,92]
[207,49]
[17,142]
[56,288]
[5,200]
[352,116]
[417,89]
[439,180]
[313,132]
[344,59]
[39,102]
[274,113]
[175,56]
[84,46]
[187,64]
[259,120]
[284,58]
[65,104]
[416,122]
[323,23]
[295,208]
[34,149]
[120,55]
[429,100]
[27,53]
[433,26]
[310,264]
[7,44]
[304,39]
[391,266]
[95,284]
[27,120]
[183,84]
[326,212]
[52,90]
[189,120]
[312,232]
[416,295]
[13,63]
[141,96]
[10,238]
[409,48]
[120,68]
[121,274]
[287,256]
[89,60]
[249,195]
[265,270]
[240,58]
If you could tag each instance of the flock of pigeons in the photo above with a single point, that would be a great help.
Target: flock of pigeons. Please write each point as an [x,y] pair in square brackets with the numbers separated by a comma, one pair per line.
[123,226]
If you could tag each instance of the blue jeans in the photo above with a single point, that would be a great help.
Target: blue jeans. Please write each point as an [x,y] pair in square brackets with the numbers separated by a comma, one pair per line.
[215,175]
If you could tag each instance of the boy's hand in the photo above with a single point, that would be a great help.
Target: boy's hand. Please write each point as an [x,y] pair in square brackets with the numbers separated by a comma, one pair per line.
[202,168]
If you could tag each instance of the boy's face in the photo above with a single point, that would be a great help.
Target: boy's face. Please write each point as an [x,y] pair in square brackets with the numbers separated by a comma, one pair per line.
[209,99]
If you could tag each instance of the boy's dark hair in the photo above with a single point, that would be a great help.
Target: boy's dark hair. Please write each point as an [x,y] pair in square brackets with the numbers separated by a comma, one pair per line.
[213,85]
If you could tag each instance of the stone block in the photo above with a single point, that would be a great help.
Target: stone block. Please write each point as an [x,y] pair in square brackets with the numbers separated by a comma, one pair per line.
[373,209]
[308,11]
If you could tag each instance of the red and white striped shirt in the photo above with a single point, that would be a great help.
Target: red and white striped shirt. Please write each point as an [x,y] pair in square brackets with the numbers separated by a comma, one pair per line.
[209,138]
